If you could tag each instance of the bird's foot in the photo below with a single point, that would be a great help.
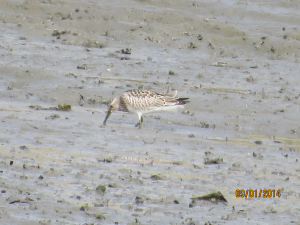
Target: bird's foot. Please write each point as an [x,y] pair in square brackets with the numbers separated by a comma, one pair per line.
[139,125]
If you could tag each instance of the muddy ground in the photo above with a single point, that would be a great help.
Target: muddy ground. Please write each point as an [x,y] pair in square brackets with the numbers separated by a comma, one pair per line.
[237,61]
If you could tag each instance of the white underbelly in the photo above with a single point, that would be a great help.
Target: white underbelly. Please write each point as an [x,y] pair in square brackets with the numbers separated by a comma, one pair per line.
[155,109]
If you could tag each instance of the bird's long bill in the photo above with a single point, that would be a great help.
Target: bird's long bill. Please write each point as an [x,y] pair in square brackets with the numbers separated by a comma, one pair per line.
[107,115]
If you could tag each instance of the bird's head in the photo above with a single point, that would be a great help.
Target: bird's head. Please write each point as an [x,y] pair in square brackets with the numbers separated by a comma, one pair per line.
[112,105]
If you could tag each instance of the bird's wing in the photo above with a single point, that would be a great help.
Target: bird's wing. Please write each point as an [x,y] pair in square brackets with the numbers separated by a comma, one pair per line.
[141,99]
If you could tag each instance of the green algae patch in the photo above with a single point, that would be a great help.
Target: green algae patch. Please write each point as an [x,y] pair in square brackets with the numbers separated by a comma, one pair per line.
[156,177]
[213,197]
[98,216]
[101,189]
[61,107]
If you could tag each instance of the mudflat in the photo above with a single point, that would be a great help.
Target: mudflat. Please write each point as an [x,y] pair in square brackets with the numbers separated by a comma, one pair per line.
[237,61]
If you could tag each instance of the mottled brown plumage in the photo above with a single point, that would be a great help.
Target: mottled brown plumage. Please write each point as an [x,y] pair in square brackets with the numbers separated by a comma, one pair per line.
[143,102]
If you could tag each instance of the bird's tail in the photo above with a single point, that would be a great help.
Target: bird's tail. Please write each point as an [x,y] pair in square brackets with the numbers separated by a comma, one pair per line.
[182,101]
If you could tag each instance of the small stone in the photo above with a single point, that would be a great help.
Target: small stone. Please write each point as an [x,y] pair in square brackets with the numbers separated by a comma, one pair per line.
[112,185]
[126,51]
[215,160]
[191,135]
[139,200]
[156,177]
[171,72]
[82,67]
[32,206]
[258,142]
[199,37]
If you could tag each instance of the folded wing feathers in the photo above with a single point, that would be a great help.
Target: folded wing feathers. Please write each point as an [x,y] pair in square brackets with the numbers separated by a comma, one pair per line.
[140,99]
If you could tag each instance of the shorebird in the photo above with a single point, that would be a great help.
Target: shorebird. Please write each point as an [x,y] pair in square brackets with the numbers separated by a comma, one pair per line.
[144,102]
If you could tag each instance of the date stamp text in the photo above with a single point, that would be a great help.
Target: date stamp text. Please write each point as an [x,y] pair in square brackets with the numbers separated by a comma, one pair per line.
[250,193]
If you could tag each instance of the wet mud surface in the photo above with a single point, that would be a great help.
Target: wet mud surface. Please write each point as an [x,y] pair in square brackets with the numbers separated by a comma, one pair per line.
[237,61]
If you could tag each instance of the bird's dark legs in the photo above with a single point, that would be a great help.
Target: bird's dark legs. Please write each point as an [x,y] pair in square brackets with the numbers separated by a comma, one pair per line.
[139,124]
[141,121]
